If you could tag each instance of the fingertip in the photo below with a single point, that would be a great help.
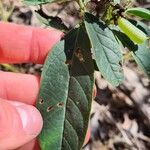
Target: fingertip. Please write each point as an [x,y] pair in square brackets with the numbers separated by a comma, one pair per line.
[18,121]
[31,119]
[32,145]
[87,137]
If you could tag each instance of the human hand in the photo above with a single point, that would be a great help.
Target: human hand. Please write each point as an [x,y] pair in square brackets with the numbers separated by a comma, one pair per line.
[20,121]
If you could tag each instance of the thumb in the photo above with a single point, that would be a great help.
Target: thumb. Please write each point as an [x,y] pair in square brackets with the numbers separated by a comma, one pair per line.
[19,124]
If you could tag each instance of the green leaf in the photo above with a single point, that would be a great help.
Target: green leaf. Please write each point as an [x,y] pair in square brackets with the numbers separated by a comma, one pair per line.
[125,40]
[37,2]
[54,22]
[86,1]
[116,1]
[141,26]
[140,12]
[142,57]
[105,49]
[141,53]
[135,34]
[66,93]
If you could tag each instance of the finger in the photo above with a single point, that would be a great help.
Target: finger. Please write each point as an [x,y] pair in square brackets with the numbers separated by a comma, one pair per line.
[19,124]
[32,145]
[19,87]
[21,44]
[87,137]
[94,91]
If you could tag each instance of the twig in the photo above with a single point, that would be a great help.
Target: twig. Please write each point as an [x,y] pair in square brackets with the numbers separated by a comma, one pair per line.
[143,137]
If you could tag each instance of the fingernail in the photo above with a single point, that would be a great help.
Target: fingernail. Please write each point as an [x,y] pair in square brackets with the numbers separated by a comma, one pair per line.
[31,119]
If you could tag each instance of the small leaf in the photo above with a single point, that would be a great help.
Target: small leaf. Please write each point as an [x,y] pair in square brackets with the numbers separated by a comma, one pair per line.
[54,22]
[105,49]
[134,33]
[57,23]
[142,57]
[86,1]
[141,53]
[140,12]
[66,93]
[37,2]
[140,25]
[125,40]
[116,1]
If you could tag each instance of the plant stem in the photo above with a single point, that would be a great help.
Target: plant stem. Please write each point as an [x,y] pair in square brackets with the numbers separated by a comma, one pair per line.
[81,4]
[4,13]
[10,67]
[127,56]
[1,9]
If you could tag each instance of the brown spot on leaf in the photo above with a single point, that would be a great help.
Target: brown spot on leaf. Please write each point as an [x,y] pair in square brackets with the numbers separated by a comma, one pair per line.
[77,103]
[41,101]
[49,108]
[79,55]
[61,104]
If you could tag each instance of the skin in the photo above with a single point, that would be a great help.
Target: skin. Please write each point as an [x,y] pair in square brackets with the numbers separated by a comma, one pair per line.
[20,121]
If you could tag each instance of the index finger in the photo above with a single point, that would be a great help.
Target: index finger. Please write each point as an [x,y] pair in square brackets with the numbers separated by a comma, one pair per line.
[22,44]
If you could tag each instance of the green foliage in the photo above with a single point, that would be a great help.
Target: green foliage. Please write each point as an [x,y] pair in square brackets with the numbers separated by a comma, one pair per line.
[66,93]
[141,52]
[68,75]
[142,57]
[140,12]
[37,2]
[54,22]
[131,31]
[125,40]
[105,48]
[116,1]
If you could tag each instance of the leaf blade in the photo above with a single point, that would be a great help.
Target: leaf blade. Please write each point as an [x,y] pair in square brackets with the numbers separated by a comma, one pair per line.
[69,93]
[38,2]
[44,95]
[142,57]
[140,12]
[107,57]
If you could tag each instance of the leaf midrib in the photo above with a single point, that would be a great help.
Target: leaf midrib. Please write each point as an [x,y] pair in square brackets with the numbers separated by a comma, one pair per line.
[68,93]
